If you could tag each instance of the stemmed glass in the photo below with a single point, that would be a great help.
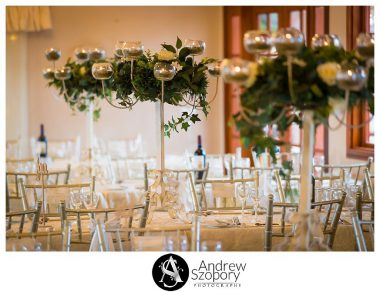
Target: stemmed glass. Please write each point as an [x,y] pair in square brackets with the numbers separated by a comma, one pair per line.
[76,199]
[256,203]
[90,199]
[242,193]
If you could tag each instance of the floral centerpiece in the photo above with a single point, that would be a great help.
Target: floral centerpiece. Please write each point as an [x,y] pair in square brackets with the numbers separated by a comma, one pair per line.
[267,99]
[79,88]
[187,88]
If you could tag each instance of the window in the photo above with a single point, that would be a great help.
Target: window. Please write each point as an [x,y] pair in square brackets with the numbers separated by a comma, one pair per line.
[360,141]
[238,20]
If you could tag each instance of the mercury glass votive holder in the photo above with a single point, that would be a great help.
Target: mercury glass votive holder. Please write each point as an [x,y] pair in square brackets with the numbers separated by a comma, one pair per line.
[365,45]
[164,71]
[256,42]
[63,73]
[48,73]
[52,54]
[97,54]
[351,76]
[324,40]
[288,41]
[235,70]
[102,71]
[196,47]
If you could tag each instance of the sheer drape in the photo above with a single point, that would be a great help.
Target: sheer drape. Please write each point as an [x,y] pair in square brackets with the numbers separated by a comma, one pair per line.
[28,18]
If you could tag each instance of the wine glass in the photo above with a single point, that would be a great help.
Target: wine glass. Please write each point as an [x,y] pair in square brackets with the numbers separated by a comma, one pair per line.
[75,198]
[242,193]
[90,199]
[256,203]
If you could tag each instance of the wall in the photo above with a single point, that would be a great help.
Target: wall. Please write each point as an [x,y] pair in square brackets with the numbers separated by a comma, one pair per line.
[103,26]
[16,91]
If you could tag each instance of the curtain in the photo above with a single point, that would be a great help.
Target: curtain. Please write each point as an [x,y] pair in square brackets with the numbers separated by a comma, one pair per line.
[28,18]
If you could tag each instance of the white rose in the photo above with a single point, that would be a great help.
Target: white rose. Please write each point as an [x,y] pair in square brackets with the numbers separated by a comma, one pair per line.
[165,55]
[82,71]
[253,72]
[327,72]
[177,66]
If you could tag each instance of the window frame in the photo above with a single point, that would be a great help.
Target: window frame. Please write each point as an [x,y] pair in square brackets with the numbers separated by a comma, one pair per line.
[357,146]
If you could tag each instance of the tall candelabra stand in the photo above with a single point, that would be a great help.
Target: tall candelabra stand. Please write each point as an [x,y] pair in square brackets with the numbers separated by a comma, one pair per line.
[350,77]
[42,173]
[63,74]
[163,71]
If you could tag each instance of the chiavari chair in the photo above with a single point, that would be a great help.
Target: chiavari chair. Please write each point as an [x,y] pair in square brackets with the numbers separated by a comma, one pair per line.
[332,209]
[14,189]
[340,172]
[52,197]
[23,215]
[149,238]
[223,188]
[358,225]
[279,183]
[368,187]
[46,236]
[362,224]
[286,209]
[93,215]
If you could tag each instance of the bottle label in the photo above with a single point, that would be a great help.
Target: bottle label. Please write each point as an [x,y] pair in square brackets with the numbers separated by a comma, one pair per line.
[41,147]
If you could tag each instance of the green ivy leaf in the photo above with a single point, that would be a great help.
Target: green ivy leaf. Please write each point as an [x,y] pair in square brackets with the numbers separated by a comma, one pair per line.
[178,43]
[194,118]
[185,126]
[183,53]
[170,48]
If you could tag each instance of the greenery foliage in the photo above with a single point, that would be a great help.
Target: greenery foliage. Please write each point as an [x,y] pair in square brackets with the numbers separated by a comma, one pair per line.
[268,99]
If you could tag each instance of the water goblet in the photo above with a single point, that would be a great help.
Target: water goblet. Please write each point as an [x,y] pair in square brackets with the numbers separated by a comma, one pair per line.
[90,199]
[242,194]
[76,199]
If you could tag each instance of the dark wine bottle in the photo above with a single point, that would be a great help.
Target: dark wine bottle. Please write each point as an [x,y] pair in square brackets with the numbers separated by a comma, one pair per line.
[42,143]
[200,152]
